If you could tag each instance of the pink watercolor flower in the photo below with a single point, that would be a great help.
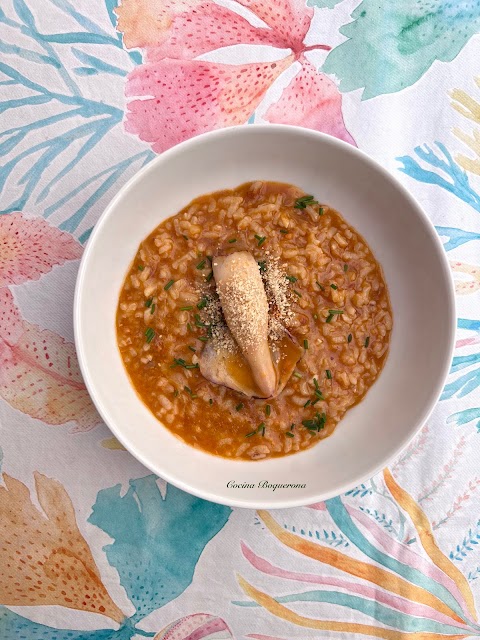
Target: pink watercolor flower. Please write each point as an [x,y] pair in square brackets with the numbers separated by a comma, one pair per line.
[30,247]
[39,372]
[175,95]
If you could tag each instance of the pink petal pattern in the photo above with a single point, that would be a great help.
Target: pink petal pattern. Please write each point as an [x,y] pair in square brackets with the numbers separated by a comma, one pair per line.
[197,626]
[289,18]
[209,27]
[39,372]
[30,247]
[358,588]
[313,101]
[192,96]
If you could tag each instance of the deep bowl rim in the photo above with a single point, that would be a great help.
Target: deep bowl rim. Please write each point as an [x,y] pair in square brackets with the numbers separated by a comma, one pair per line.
[450,310]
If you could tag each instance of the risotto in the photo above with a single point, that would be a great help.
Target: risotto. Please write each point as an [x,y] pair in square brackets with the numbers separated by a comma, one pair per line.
[322,301]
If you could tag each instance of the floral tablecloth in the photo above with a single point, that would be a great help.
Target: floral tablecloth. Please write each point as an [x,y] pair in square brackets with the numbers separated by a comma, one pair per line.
[93,546]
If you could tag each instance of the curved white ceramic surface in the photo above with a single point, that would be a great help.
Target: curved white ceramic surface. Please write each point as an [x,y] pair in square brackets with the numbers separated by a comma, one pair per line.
[401,237]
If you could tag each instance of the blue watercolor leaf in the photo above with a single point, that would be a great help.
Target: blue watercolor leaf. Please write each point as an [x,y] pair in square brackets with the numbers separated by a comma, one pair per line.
[462,362]
[462,386]
[156,541]
[392,44]
[456,237]
[16,627]
[464,417]
[85,71]
[470,325]
[447,173]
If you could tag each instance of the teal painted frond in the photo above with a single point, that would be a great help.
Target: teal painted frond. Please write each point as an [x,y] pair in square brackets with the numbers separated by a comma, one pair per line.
[36,164]
[332,538]
[467,545]
[446,173]
[391,45]
[152,549]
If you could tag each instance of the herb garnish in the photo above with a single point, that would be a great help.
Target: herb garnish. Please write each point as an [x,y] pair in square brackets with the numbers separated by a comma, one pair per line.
[259,429]
[239,407]
[210,401]
[180,362]
[321,211]
[203,338]
[189,326]
[304,202]
[268,410]
[334,286]
[289,433]
[367,341]
[203,303]
[284,231]
[189,308]
[307,403]
[317,423]
[190,392]
[322,288]
[291,278]
[262,265]
[148,302]
[336,312]
[329,318]
[152,309]
[329,374]
[297,293]
[232,241]
[169,284]
[260,239]
[345,268]
[349,338]
[210,276]
[297,374]
[201,264]
[305,344]
[141,267]
[198,321]
[149,334]
[192,349]
[184,236]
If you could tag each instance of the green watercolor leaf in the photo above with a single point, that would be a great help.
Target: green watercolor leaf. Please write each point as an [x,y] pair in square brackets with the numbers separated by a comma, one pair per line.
[392,44]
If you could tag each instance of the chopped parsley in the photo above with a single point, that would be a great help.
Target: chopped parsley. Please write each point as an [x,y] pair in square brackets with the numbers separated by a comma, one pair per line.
[304,202]
[317,423]
[149,334]
[169,284]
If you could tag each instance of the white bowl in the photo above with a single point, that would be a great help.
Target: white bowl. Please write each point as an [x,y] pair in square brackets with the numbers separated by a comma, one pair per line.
[402,239]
